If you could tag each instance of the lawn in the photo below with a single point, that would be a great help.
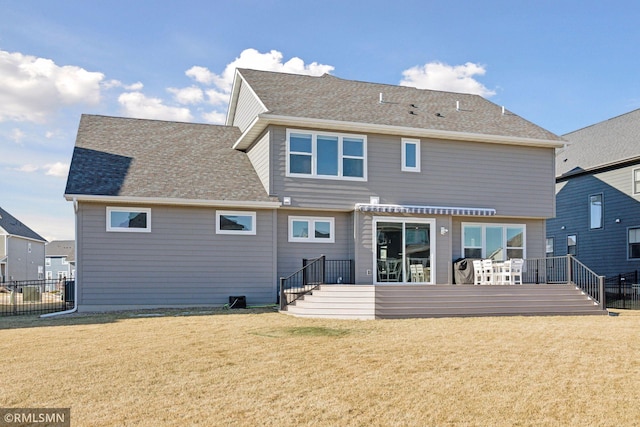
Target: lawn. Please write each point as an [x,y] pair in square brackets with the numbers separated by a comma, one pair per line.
[259,367]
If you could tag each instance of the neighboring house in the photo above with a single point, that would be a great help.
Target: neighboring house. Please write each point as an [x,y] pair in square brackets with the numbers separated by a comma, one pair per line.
[177,214]
[60,260]
[21,250]
[597,196]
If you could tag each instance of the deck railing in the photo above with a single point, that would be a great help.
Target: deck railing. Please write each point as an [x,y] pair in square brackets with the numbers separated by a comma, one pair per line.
[565,269]
[303,281]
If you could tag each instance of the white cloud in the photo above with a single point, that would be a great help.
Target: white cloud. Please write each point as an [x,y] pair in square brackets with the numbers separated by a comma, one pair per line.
[58,169]
[439,76]
[110,84]
[17,135]
[135,104]
[32,88]
[249,58]
[215,117]
[187,95]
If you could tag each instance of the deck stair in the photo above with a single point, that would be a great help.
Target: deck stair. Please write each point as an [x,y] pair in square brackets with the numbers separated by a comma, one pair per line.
[406,301]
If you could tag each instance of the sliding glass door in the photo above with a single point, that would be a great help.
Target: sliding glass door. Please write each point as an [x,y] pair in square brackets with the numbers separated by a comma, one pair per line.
[404,250]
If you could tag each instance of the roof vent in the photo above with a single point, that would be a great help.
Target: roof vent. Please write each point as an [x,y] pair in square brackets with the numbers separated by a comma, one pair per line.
[439,115]
[413,113]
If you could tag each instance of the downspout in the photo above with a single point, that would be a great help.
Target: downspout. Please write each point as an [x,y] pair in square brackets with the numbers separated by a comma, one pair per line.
[75,286]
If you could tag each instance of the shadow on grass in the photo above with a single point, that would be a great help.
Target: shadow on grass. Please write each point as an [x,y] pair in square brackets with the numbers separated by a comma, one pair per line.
[35,321]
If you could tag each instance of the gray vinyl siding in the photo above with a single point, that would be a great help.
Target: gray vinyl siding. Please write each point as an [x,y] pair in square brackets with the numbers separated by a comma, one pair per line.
[260,159]
[3,246]
[181,262]
[291,254]
[603,250]
[517,181]
[247,108]
[22,264]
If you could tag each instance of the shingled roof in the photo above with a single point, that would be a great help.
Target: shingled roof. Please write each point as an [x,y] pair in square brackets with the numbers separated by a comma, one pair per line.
[61,248]
[333,99]
[12,226]
[611,141]
[138,158]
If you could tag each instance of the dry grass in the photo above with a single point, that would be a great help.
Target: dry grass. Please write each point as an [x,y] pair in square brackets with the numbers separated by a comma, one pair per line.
[256,367]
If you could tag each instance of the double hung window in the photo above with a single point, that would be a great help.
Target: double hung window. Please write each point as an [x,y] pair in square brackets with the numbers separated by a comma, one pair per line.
[634,243]
[326,155]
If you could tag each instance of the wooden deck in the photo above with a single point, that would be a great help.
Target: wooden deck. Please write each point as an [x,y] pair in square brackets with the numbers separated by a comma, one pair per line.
[415,301]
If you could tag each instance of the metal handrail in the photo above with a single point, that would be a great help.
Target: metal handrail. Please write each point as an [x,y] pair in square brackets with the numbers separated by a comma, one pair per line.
[302,282]
[587,280]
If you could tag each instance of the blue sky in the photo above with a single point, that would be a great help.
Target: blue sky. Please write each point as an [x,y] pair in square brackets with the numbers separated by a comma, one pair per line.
[561,64]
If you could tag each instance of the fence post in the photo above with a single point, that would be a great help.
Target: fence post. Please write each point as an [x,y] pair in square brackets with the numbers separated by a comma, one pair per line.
[324,269]
[603,296]
[283,301]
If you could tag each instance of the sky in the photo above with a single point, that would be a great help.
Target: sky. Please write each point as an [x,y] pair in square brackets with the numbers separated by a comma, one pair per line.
[561,64]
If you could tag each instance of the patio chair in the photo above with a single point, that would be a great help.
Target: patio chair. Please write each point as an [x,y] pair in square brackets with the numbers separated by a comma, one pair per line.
[417,272]
[477,272]
[488,275]
[516,271]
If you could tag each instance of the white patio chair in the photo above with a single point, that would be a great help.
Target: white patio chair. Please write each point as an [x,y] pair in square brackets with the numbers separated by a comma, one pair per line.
[488,275]
[503,273]
[417,272]
[516,271]
[477,272]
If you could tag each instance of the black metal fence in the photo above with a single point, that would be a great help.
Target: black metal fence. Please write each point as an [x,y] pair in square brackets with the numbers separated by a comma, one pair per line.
[623,291]
[36,296]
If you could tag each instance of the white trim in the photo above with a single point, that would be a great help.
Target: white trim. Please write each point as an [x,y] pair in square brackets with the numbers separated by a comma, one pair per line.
[404,220]
[266,119]
[416,143]
[314,155]
[311,220]
[129,209]
[429,210]
[168,201]
[251,215]
[483,246]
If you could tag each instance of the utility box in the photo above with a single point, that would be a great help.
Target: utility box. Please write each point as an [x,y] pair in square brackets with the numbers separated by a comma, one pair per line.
[31,294]
[238,302]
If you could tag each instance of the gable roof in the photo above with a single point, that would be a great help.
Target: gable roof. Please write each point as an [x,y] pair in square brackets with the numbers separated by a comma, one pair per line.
[61,248]
[612,141]
[168,162]
[12,226]
[352,105]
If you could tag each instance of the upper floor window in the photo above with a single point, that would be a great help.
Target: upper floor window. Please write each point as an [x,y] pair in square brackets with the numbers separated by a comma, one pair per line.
[410,155]
[129,219]
[595,211]
[311,229]
[47,261]
[495,241]
[572,244]
[636,181]
[228,222]
[326,155]
[634,243]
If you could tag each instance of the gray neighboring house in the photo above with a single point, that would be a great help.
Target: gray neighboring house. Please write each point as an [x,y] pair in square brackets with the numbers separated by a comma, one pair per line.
[598,196]
[60,259]
[181,214]
[21,250]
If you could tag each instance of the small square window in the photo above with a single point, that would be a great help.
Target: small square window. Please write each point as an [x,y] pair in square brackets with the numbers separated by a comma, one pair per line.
[410,155]
[134,220]
[235,222]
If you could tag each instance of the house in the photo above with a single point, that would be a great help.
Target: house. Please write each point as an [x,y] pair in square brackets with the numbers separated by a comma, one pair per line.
[21,250]
[183,214]
[597,196]
[60,262]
